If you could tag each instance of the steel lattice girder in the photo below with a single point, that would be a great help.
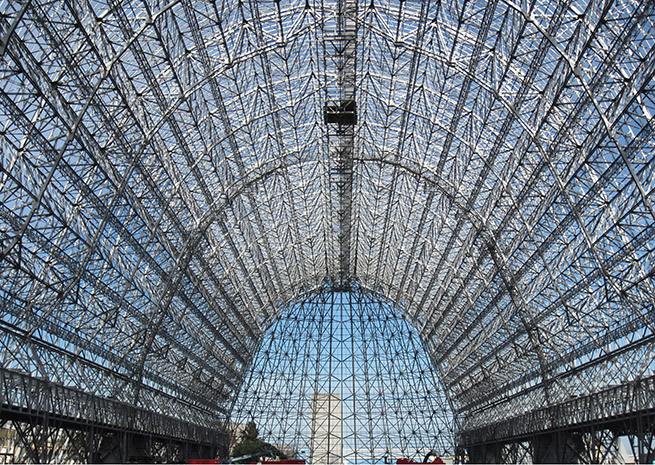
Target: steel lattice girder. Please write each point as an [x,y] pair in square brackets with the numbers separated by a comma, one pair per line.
[166,189]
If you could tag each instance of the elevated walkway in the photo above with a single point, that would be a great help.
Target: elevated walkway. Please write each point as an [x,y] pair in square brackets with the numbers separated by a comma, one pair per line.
[125,432]
[578,429]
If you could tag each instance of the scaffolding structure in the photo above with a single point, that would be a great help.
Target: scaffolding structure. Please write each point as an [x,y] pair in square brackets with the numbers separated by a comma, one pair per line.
[176,176]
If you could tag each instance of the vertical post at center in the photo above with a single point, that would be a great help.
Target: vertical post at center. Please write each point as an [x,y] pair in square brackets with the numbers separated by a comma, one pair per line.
[340,115]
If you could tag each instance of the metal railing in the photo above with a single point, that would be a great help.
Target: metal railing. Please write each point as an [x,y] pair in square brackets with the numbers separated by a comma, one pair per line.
[26,397]
[601,410]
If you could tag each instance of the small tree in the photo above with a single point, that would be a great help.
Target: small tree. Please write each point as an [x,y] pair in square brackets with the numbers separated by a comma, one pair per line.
[251,445]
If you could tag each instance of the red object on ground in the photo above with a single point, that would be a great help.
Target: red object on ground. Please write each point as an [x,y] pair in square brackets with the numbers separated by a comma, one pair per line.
[437,461]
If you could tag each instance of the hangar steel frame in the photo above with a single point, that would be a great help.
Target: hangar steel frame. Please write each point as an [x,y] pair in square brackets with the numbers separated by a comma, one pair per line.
[176,173]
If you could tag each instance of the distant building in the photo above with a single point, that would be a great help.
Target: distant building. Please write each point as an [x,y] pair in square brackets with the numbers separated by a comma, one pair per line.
[325,443]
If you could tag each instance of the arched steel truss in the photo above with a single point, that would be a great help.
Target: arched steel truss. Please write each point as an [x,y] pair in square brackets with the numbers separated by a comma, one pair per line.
[175,173]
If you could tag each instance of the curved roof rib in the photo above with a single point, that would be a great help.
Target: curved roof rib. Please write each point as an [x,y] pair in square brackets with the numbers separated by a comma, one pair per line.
[170,180]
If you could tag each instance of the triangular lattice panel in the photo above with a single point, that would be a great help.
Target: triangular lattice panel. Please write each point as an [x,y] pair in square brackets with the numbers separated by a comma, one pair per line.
[369,359]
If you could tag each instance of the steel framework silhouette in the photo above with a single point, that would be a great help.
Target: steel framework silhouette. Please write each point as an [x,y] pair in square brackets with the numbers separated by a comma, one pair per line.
[360,350]
[175,176]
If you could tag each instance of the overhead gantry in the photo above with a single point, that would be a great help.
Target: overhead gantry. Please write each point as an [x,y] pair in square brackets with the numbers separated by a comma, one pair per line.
[176,176]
